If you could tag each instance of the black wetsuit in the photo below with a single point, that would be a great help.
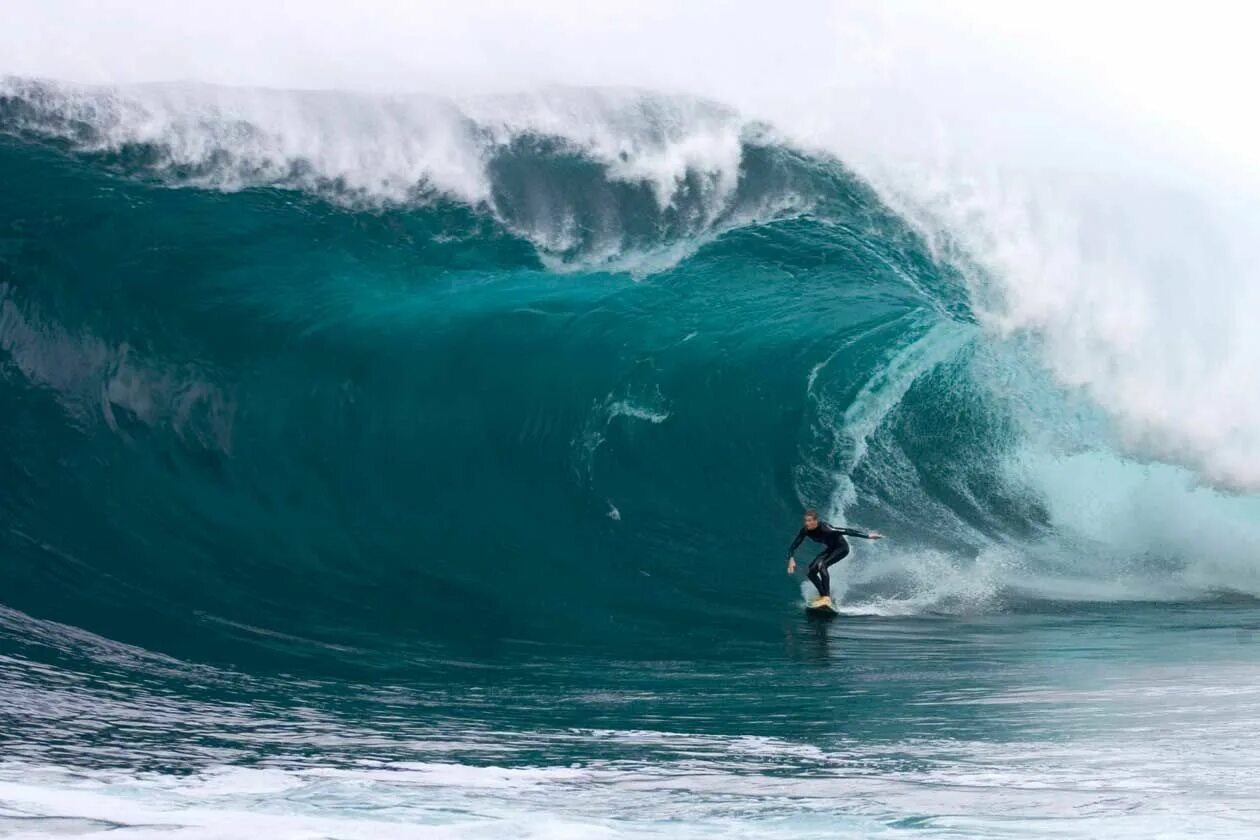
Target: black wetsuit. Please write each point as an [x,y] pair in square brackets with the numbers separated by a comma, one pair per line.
[836,549]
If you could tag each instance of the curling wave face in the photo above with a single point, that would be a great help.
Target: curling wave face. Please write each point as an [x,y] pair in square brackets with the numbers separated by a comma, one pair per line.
[332,376]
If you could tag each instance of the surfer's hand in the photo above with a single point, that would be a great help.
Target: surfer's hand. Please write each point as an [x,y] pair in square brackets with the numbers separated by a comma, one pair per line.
[875,535]
[791,565]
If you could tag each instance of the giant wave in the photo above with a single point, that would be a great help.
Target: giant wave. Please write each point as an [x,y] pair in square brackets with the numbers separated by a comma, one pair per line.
[332,375]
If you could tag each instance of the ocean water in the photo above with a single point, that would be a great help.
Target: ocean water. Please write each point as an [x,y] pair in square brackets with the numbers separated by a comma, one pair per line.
[412,467]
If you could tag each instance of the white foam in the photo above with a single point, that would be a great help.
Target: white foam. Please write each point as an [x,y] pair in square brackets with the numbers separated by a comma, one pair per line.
[1123,781]
[1136,294]
[888,580]
[1117,530]
[380,148]
[625,408]
[396,149]
[659,140]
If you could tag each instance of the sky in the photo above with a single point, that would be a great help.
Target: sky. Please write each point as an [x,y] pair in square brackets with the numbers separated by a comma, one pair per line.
[1182,73]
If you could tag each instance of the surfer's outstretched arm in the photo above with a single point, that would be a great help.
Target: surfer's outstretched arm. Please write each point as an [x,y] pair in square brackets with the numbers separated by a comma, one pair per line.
[866,535]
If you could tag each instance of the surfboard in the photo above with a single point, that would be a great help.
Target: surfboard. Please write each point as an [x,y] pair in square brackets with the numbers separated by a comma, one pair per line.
[826,610]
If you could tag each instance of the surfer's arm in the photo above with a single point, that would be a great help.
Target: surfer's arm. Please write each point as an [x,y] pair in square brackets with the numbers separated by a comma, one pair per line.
[866,535]
[796,543]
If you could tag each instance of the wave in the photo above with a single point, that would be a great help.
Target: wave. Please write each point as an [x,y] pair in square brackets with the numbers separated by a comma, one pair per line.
[584,175]
[323,374]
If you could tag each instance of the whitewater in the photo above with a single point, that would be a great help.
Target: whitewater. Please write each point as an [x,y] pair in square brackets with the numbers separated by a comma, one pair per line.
[402,424]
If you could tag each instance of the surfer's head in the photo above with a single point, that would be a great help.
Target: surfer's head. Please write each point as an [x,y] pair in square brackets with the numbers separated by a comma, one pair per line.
[811,519]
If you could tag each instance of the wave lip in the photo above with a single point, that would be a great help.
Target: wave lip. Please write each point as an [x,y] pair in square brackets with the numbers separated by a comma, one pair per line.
[587,175]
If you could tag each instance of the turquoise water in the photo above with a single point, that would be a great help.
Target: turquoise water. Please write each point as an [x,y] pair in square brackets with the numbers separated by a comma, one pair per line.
[341,506]
[1073,723]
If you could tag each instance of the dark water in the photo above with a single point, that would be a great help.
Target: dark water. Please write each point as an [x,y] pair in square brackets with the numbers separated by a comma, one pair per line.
[330,516]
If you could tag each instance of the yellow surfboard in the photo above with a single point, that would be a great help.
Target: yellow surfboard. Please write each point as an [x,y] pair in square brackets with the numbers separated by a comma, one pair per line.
[822,609]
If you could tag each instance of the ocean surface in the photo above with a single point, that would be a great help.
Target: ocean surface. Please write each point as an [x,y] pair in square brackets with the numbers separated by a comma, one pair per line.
[410,467]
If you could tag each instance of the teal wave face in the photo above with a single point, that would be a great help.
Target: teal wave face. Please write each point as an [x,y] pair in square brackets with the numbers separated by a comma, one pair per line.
[263,422]
[393,417]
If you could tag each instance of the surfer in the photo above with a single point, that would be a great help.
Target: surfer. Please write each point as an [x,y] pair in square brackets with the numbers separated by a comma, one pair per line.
[835,549]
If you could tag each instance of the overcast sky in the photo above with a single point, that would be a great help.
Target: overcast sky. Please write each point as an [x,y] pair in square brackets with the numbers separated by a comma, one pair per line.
[1183,71]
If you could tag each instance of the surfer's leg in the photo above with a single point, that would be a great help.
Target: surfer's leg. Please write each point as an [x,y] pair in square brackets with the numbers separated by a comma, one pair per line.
[818,574]
[815,577]
[836,555]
